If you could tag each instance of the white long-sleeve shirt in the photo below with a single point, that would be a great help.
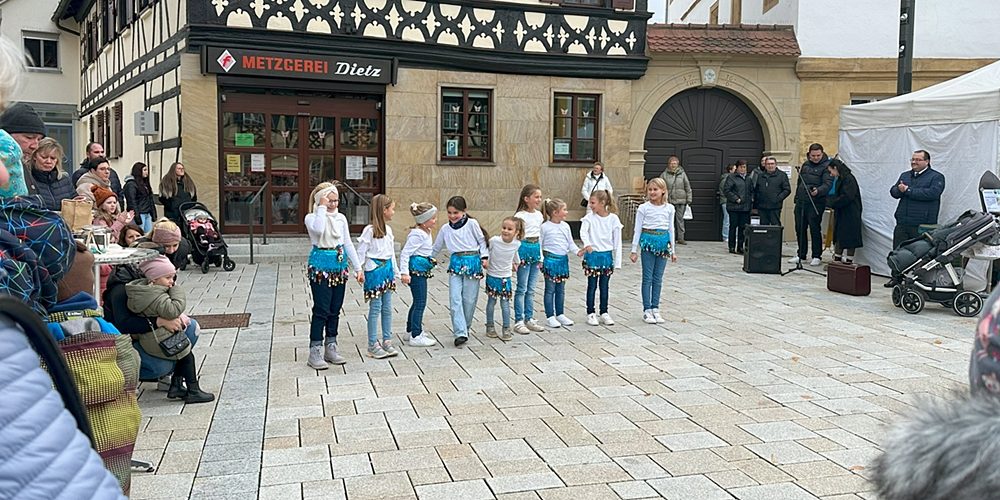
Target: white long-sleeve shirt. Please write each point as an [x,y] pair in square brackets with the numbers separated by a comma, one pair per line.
[603,234]
[418,242]
[650,216]
[467,239]
[591,184]
[532,222]
[370,248]
[502,257]
[557,239]
[322,238]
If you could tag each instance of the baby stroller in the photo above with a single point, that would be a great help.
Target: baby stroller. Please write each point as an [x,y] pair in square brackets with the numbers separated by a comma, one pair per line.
[923,269]
[202,231]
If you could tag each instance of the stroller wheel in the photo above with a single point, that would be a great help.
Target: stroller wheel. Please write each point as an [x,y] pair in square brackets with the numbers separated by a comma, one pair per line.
[897,295]
[968,304]
[912,301]
[228,265]
[204,266]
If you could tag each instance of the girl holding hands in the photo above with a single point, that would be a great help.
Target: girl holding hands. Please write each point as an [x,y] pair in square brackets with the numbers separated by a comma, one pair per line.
[601,233]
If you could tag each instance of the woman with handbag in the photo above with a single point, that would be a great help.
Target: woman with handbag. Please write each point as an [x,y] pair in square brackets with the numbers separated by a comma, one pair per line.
[595,181]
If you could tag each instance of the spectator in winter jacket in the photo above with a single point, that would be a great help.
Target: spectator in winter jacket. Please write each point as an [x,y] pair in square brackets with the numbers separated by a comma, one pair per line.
[596,180]
[770,190]
[94,151]
[21,129]
[168,235]
[919,193]
[98,175]
[845,200]
[176,189]
[738,201]
[679,194]
[722,200]
[813,184]
[47,180]
[139,196]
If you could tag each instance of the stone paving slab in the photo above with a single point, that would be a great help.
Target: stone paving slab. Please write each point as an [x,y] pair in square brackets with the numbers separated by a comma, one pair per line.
[756,387]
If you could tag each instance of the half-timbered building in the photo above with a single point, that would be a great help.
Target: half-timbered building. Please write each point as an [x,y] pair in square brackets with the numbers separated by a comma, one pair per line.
[421,100]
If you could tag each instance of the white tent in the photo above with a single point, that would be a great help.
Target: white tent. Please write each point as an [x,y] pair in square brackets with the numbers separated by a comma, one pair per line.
[957,121]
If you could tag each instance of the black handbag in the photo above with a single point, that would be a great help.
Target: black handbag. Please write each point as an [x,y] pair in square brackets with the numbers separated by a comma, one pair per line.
[584,202]
[174,344]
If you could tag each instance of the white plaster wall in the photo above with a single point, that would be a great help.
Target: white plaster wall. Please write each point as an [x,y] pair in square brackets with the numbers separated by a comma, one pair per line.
[785,12]
[698,14]
[44,86]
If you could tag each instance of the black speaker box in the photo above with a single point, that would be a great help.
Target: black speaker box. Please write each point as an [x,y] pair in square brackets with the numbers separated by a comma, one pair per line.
[763,251]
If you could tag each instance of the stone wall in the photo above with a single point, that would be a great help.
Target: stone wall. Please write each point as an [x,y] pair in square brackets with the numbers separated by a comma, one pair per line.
[200,131]
[522,151]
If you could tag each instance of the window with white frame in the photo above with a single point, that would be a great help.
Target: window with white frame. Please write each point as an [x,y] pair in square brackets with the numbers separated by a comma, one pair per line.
[41,50]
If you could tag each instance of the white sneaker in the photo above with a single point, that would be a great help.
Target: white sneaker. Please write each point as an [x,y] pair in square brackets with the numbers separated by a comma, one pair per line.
[647,316]
[521,328]
[815,262]
[606,319]
[563,320]
[553,322]
[422,340]
[794,260]
[592,319]
[535,327]
[656,316]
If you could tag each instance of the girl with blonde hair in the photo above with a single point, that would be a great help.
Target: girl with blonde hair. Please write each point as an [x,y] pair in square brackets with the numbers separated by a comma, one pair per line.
[415,266]
[377,248]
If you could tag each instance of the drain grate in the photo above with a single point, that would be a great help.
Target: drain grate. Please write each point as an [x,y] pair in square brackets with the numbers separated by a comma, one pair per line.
[213,321]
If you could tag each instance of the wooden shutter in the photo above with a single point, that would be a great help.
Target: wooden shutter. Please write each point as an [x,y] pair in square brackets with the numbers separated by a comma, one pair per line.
[623,4]
[99,136]
[93,129]
[118,131]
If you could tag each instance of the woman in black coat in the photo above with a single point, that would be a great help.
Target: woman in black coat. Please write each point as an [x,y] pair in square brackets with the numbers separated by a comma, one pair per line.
[738,192]
[139,196]
[176,189]
[845,200]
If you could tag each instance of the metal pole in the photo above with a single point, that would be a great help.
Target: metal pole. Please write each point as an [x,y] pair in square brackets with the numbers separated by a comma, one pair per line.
[250,207]
[904,69]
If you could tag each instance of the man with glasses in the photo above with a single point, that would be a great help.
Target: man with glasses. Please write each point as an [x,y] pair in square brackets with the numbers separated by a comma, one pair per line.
[919,193]
[96,150]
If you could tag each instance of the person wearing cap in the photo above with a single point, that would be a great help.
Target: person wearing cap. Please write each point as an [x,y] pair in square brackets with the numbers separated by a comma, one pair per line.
[99,175]
[166,234]
[156,294]
[22,129]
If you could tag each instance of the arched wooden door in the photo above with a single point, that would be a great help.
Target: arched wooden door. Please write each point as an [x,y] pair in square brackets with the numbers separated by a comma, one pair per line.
[707,129]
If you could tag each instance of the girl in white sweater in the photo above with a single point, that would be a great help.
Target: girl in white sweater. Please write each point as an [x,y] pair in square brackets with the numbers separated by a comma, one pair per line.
[557,244]
[466,241]
[503,263]
[601,232]
[653,233]
[377,246]
[415,266]
[530,256]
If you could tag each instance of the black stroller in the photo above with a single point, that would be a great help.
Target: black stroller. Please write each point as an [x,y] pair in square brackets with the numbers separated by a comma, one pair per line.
[923,268]
[202,231]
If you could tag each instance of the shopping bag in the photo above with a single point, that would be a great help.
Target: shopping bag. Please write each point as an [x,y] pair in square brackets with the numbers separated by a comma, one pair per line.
[688,214]
[77,213]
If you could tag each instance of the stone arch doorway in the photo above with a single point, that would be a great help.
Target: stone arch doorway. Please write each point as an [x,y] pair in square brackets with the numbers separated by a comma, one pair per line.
[707,129]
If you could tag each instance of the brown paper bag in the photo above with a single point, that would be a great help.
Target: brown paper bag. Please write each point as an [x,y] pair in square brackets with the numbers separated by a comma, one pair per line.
[77,214]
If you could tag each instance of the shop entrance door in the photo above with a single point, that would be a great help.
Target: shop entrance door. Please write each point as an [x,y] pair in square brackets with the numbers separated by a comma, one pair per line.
[294,142]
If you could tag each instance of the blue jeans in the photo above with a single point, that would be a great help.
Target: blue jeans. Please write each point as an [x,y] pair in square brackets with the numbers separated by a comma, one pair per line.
[725,222]
[524,293]
[652,279]
[463,292]
[593,283]
[415,318]
[491,302]
[555,296]
[380,308]
[147,222]
[152,367]
[327,301]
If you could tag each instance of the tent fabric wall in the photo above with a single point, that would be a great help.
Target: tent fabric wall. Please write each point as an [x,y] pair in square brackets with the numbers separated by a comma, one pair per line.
[962,152]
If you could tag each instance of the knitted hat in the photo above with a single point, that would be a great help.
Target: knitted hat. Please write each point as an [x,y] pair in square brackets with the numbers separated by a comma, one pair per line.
[22,119]
[166,236]
[101,194]
[157,268]
[80,277]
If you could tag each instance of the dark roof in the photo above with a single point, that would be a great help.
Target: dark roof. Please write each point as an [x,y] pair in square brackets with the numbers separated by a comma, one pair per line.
[75,9]
[741,39]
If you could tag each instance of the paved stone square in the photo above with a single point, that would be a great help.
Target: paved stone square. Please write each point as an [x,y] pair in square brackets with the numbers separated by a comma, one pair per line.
[757,387]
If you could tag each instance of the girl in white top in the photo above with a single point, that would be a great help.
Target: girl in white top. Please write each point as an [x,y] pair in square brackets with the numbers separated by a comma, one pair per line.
[557,244]
[503,263]
[530,256]
[466,241]
[595,181]
[377,246]
[331,250]
[415,265]
[601,232]
[653,233]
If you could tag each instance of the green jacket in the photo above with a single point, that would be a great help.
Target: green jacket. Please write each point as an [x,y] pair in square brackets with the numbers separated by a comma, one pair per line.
[679,190]
[158,301]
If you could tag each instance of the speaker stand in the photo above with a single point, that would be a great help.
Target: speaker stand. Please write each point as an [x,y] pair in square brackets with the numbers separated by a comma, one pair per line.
[798,267]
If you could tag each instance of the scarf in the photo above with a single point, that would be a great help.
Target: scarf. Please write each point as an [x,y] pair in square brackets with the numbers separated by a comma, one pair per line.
[331,236]
[460,224]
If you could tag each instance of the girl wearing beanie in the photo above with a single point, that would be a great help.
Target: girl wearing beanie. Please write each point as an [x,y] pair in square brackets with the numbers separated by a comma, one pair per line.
[107,212]
[331,250]
[166,234]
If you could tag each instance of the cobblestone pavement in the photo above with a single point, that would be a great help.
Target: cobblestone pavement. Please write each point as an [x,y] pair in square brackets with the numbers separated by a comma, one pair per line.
[757,387]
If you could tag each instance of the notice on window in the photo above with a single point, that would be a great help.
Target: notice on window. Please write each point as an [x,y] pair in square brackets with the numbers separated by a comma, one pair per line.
[360,215]
[451,147]
[233,164]
[257,162]
[371,164]
[561,148]
[244,140]
[355,167]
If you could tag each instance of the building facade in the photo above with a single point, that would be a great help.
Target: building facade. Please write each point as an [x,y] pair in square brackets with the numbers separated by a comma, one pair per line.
[419,100]
[51,85]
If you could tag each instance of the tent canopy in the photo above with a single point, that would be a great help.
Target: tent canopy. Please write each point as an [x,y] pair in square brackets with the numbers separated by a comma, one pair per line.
[957,121]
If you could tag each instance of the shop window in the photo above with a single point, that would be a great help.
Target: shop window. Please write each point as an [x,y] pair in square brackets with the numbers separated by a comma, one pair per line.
[575,127]
[42,50]
[466,132]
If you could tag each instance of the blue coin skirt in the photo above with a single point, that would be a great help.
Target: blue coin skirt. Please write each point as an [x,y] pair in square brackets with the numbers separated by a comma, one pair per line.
[655,241]
[422,266]
[468,264]
[380,279]
[328,265]
[598,263]
[530,252]
[499,288]
[556,267]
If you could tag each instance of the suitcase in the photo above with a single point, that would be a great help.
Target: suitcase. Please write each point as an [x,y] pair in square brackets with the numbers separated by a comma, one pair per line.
[851,279]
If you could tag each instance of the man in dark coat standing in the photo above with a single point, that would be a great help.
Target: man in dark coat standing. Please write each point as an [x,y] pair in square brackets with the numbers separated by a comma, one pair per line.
[919,193]
[770,190]
[738,202]
[814,183]
[96,150]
